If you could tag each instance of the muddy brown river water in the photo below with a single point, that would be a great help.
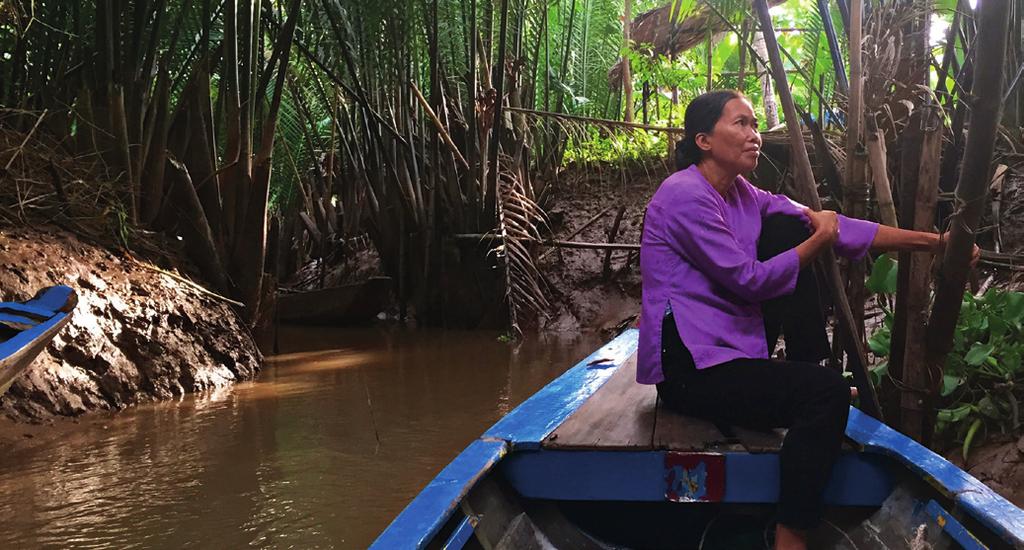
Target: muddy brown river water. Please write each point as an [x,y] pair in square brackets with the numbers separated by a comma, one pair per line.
[339,432]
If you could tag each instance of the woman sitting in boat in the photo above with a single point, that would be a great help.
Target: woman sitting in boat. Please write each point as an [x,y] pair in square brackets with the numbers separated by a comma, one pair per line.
[724,270]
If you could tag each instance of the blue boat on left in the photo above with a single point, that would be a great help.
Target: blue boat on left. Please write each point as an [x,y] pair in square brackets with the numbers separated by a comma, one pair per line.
[27,327]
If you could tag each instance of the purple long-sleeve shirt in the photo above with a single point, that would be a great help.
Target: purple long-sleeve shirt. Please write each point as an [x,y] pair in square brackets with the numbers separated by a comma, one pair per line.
[698,255]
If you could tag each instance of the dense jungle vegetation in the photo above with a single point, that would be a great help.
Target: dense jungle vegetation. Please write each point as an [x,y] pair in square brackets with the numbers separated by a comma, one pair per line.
[256,137]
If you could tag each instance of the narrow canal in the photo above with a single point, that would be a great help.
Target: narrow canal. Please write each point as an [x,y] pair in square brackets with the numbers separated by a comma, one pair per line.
[339,432]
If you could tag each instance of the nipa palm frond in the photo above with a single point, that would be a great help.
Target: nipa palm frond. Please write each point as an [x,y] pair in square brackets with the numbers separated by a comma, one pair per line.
[518,219]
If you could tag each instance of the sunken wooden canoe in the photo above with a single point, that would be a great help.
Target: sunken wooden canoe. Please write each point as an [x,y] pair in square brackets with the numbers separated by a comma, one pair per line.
[27,327]
[340,305]
[593,461]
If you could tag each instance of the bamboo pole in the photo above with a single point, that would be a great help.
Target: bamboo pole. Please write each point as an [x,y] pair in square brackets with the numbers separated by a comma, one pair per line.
[771,109]
[805,183]
[741,85]
[710,54]
[877,157]
[857,188]
[579,230]
[552,243]
[599,121]
[971,192]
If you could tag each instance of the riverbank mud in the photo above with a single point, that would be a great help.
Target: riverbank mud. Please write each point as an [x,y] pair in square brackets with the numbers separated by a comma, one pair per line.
[138,333]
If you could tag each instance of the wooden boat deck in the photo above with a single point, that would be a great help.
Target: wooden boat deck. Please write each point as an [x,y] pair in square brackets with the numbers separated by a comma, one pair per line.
[624,415]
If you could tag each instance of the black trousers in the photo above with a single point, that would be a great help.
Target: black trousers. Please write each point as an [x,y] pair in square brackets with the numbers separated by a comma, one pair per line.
[812,401]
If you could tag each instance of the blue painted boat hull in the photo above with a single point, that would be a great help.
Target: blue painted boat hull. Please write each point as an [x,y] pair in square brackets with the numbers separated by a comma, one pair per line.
[27,327]
[598,489]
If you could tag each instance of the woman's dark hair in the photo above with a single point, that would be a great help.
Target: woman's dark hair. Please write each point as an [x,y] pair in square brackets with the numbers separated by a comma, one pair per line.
[701,116]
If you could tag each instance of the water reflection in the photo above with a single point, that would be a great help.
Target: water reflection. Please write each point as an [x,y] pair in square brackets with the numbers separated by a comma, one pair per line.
[339,433]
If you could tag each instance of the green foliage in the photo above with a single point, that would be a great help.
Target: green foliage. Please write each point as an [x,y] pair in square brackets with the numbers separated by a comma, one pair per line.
[883,276]
[587,91]
[598,146]
[982,377]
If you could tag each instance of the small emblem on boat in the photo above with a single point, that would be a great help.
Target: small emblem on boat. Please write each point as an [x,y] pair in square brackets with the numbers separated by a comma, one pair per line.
[694,477]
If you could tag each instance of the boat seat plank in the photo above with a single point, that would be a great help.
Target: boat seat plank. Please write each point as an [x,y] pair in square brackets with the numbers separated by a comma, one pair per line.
[619,416]
[760,441]
[25,310]
[625,415]
[678,432]
[17,322]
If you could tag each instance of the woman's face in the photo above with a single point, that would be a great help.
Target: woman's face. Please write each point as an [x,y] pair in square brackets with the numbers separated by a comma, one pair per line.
[734,143]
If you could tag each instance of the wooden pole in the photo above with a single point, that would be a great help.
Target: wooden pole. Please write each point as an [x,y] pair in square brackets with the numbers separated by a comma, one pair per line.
[606,268]
[918,288]
[805,183]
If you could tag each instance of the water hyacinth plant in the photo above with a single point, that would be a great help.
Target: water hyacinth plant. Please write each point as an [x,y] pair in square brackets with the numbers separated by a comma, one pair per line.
[982,377]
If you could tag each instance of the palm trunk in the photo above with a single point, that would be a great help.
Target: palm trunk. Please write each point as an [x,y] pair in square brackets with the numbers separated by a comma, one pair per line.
[232,110]
[627,77]
[842,84]
[971,192]
[490,195]
[250,253]
[195,226]
[473,134]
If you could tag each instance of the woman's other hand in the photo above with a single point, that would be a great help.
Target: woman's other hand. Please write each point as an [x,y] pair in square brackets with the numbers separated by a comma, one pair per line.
[825,223]
[825,231]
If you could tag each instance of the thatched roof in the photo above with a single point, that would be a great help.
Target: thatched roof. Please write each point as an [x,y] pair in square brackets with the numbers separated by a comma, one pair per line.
[657,29]
[668,37]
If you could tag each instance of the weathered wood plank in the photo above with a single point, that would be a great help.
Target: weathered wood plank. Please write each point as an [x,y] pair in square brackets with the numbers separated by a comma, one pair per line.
[619,416]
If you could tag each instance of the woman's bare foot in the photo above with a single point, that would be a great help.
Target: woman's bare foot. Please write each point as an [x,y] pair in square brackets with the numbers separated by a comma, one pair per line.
[787,538]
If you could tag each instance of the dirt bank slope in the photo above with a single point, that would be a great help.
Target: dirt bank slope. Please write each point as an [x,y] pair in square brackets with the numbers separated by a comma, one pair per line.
[137,334]
[583,296]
